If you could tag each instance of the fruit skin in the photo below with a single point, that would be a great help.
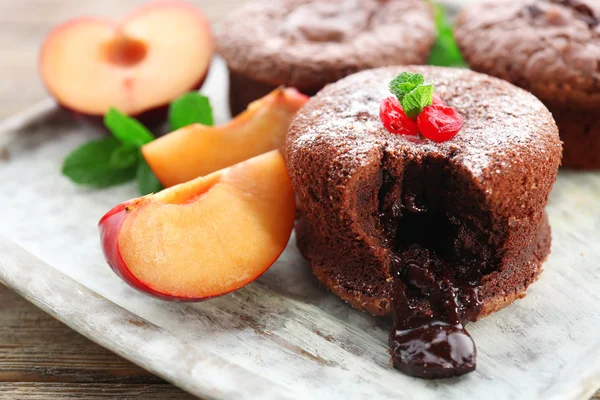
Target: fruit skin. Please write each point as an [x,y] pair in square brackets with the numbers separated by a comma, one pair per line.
[150,115]
[198,150]
[439,123]
[394,119]
[111,224]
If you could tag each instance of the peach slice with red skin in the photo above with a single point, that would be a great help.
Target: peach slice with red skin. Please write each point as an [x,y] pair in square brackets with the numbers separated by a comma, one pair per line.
[206,237]
[159,52]
[198,150]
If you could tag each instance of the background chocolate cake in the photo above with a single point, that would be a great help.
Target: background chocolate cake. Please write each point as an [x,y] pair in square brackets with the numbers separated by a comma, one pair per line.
[550,48]
[309,43]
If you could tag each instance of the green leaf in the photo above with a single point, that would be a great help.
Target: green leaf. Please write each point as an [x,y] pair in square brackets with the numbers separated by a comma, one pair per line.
[189,109]
[445,51]
[126,155]
[405,82]
[90,164]
[146,180]
[128,130]
[419,98]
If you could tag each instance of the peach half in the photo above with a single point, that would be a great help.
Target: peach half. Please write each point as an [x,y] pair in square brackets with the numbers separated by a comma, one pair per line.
[206,237]
[197,150]
[159,52]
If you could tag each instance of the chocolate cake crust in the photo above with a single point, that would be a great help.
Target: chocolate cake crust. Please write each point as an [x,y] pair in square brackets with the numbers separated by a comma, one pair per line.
[550,48]
[366,194]
[309,43]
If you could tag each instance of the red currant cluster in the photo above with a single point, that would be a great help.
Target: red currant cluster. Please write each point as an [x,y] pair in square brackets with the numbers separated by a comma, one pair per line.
[437,122]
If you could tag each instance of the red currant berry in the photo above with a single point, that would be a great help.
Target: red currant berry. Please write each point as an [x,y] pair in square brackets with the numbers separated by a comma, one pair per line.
[437,101]
[439,123]
[393,118]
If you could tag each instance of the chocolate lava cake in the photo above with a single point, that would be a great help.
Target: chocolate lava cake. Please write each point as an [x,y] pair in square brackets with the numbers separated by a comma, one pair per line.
[389,221]
[550,48]
[308,43]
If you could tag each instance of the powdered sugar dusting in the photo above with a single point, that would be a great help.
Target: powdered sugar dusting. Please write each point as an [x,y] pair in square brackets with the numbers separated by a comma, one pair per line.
[502,122]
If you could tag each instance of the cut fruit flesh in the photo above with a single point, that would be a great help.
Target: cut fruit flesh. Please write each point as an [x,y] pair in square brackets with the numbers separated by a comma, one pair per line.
[209,236]
[91,64]
[197,150]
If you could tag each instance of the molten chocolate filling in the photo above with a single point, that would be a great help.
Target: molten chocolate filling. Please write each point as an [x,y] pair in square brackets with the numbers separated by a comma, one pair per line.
[430,342]
[436,267]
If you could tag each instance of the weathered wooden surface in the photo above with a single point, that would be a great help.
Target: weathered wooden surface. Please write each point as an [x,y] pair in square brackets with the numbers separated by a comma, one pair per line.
[90,391]
[39,357]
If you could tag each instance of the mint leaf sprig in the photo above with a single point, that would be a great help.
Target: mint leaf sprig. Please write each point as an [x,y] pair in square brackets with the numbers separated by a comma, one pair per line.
[412,93]
[189,109]
[118,158]
[126,129]
[92,164]
[445,51]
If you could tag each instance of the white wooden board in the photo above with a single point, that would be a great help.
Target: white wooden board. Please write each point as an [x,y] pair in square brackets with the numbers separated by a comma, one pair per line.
[283,336]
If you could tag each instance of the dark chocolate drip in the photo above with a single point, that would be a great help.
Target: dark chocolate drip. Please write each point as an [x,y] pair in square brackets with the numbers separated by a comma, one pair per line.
[435,268]
[428,339]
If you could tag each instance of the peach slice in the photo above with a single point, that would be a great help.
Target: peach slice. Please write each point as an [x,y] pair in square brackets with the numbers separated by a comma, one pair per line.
[197,150]
[154,55]
[206,237]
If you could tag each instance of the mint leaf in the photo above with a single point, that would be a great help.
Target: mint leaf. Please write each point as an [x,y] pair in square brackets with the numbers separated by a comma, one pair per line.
[412,94]
[445,51]
[419,98]
[405,82]
[146,180]
[128,130]
[90,164]
[126,155]
[189,109]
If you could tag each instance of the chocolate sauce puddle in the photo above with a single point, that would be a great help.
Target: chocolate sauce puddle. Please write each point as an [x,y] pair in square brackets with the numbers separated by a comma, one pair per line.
[428,339]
